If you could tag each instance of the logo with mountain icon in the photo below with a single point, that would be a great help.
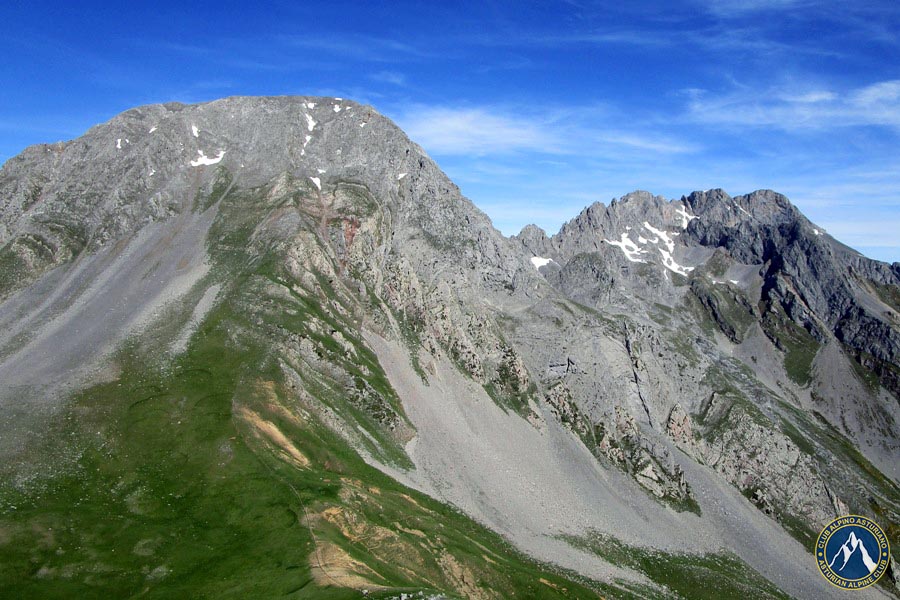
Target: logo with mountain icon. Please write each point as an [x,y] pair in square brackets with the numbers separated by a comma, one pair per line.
[852,552]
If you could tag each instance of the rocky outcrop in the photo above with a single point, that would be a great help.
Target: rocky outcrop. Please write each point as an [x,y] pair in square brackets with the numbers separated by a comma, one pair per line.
[650,464]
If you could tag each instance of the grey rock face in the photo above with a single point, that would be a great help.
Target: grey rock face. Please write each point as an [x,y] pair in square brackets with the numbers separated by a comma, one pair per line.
[710,327]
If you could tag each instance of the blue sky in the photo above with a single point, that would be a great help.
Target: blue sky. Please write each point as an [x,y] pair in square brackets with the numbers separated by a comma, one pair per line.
[536,109]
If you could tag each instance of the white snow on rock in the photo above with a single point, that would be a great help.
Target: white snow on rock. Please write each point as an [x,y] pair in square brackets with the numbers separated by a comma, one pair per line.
[119,144]
[642,239]
[195,131]
[206,160]
[741,208]
[321,171]
[310,122]
[336,108]
[817,232]
[152,172]
[152,129]
[631,250]
[670,264]
[734,281]
[686,217]
[316,181]
[310,105]
[401,176]
[660,235]
[539,261]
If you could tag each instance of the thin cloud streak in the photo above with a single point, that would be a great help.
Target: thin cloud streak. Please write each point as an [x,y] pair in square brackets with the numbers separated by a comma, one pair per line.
[391,77]
[877,104]
[474,131]
[362,48]
[740,8]
[482,130]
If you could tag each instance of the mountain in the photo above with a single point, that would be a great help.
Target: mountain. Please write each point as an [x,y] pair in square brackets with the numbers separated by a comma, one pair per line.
[264,346]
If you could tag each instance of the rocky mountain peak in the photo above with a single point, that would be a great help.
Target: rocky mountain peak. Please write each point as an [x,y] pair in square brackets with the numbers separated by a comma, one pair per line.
[261,291]
[152,162]
[535,240]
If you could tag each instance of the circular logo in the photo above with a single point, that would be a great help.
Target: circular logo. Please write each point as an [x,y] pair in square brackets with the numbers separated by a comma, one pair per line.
[852,552]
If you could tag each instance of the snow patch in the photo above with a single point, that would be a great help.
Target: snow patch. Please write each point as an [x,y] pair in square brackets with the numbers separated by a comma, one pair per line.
[310,105]
[670,264]
[631,250]
[119,144]
[686,217]
[316,181]
[660,235]
[734,281]
[152,129]
[817,232]
[195,131]
[642,239]
[539,261]
[401,176]
[362,124]
[205,160]
[310,122]
[336,108]
[321,171]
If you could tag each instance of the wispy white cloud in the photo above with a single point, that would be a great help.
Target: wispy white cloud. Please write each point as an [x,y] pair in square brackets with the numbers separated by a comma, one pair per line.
[739,8]
[481,130]
[360,47]
[811,97]
[706,38]
[879,94]
[391,77]
[792,109]
[474,131]
[655,143]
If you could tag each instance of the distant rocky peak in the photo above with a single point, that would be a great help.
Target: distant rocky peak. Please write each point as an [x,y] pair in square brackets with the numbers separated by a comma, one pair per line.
[536,241]
[763,206]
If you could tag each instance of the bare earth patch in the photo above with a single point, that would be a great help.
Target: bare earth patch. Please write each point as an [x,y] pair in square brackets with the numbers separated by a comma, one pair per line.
[331,565]
[269,432]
